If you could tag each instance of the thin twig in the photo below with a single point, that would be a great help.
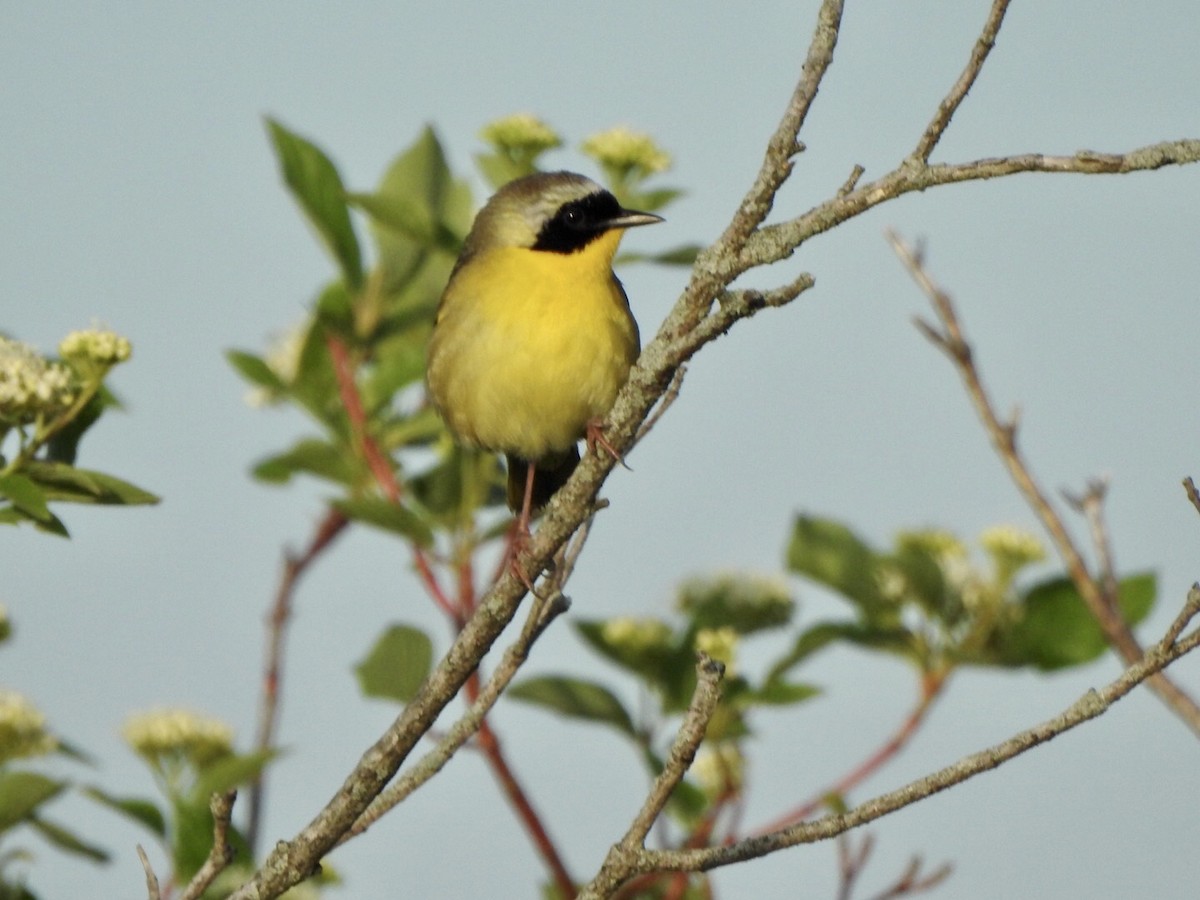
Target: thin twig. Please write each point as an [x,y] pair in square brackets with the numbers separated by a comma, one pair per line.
[784,143]
[949,105]
[1090,504]
[294,567]
[153,891]
[912,882]
[1092,704]
[668,399]
[951,340]
[1193,495]
[221,853]
[851,862]
[621,861]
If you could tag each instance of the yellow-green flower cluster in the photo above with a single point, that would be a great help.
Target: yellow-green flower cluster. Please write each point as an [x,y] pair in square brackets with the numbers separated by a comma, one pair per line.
[522,134]
[166,736]
[97,346]
[1012,547]
[625,151]
[22,729]
[30,385]
[720,768]
[719,643]
[937,542]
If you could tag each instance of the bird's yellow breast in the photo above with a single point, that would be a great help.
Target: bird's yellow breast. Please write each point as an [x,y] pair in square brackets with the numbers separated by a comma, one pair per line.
[530,345]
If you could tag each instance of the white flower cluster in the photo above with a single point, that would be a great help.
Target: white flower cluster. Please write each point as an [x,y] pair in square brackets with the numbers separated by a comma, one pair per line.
[30,385]
[174,733]
[22,729]
[97,346]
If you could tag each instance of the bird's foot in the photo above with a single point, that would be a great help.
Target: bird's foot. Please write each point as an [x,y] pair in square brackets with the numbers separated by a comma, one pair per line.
[595,438]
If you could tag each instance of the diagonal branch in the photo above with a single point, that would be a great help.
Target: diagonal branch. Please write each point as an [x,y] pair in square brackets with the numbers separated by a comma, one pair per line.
[950,339]
[1092,704]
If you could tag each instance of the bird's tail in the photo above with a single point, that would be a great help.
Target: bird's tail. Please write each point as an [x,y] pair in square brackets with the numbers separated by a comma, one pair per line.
[550,473]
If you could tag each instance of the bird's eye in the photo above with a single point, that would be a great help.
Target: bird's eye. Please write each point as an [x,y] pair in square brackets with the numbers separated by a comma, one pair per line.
[573,217]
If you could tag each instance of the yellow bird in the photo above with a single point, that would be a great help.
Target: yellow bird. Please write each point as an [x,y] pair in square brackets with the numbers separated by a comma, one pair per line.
[533,335]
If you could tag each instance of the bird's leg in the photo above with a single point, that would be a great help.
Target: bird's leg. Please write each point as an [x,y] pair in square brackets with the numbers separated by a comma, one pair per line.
[521,534]
[594,437]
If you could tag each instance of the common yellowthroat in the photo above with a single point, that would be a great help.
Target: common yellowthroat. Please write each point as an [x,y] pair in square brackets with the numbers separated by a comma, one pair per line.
[533,335]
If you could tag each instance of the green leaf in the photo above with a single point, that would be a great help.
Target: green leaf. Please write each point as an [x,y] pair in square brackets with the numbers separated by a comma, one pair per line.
[776,692]
[383,513]
[66,483]
[309,456]
[895,639]
[683,255]
[397,664]
[21,793]
[141,811]
[255,370]
[498,169]
[1057,630]
[68,841]
[25,495]
[229,772]
[831,554]
[409,218]
[925,583]
[315,183]
[416,210]
[575,698]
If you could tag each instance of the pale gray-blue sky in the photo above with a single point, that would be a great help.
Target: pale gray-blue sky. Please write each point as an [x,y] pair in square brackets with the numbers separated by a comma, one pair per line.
[138,189]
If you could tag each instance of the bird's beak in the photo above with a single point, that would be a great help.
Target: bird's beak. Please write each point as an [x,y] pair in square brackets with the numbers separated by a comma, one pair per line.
[628,218]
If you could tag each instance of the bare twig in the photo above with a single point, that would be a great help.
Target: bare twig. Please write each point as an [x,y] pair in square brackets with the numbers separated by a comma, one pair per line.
[1193,495]
[668,399]
[153,891]
[1090,504]
[851,862]
[784,143]
[950,339]
[221,854]
[912,882]
[622,861]
[949,105]
[1087,707]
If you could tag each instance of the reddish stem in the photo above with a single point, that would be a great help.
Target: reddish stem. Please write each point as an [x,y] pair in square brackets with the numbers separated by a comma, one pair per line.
[458,613]
[519,800]
[378,462]
[294,568]
[931,687]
